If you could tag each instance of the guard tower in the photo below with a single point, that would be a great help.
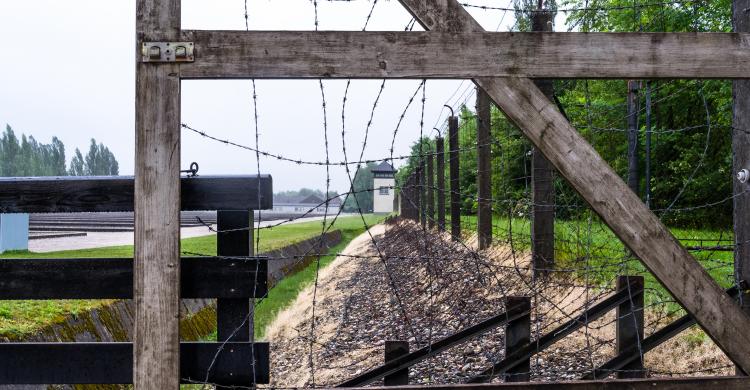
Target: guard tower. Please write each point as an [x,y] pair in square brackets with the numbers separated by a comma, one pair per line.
[384,182]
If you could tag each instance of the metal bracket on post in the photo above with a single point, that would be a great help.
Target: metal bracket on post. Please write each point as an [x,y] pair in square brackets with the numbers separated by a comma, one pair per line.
[167,52]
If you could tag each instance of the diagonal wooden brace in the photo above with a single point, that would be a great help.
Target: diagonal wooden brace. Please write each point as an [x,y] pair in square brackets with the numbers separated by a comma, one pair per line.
[638,228]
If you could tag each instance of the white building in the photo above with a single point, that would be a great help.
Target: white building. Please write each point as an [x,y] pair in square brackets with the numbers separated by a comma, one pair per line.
[311,204]
[384,183]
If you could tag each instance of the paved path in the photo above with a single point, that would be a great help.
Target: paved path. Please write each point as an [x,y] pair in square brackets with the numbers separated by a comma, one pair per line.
[98,240]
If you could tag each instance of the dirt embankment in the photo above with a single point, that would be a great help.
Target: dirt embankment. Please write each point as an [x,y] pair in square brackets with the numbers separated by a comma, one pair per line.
[406,285]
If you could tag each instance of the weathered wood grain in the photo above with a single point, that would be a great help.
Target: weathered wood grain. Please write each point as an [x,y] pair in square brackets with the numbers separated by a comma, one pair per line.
[116,193]
[628,217]
[112,363]
[156,353]
[463,54]
[201,277]
[704,383]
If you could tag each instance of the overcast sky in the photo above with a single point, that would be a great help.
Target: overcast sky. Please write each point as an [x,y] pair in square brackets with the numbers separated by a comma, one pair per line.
[67,70]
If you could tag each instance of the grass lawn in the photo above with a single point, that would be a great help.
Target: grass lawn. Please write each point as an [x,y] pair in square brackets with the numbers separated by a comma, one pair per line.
[579,241]
[22,317]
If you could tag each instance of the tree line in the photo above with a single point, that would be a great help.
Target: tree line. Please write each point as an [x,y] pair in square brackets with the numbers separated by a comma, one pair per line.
[25,156]
[690,124]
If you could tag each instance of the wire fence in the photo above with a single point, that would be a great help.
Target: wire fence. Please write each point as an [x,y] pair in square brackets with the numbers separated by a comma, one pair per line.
[406,281]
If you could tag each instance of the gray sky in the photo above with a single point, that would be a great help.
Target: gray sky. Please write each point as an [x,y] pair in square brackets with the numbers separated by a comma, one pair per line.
[68,70]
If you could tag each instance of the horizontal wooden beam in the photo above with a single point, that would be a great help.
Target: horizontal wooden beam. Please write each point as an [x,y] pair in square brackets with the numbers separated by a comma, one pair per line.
[703,383]
[115,193]
[417,55]
[201,277]
[112,363]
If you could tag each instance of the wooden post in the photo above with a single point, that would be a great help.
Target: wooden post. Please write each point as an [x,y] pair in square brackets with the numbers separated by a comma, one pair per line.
[518,335]
[234,317]
[156,271]
[630,324]
[455,190]
[648,145]
[542,183]
[740,161]
[421,175]
[394,350]
[430,190]
[633,176]
[440,146]
[484,170]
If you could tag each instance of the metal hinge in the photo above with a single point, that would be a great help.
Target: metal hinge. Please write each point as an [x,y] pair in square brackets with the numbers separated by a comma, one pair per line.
[167,52]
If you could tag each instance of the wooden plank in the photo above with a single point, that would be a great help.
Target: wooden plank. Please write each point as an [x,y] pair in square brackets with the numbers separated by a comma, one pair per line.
[112,363]
[463,54]
[234,317]
[628,217]
[201,277]
[703,383]
[484,171]
[156,288]
[116,193]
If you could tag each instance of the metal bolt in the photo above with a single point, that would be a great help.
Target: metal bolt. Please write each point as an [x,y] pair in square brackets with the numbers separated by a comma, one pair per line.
[743,176]
[154,52]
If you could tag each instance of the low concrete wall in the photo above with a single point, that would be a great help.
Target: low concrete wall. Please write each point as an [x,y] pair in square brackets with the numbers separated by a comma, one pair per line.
[114,322]
[291,259]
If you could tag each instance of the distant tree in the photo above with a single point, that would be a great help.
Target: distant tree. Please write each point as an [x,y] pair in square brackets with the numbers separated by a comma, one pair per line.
[99,161]
[362,197]
[28,157]
[77,165]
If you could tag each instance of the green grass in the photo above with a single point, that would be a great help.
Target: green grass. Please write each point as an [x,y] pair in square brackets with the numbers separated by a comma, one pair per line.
[589,250]
[18,318]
